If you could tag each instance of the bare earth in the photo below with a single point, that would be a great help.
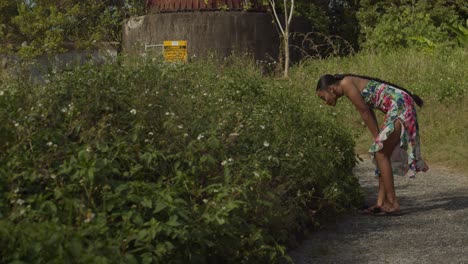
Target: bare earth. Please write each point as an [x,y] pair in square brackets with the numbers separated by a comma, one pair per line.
[434,228]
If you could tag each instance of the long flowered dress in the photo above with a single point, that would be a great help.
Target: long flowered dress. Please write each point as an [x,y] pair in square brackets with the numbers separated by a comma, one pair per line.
[397,106]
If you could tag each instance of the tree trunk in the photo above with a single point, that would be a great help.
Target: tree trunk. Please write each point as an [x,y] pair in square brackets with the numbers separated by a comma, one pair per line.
[286,52]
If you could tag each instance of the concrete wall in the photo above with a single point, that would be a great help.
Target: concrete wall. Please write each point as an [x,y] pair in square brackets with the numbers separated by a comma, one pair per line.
[37,69]
[220,32]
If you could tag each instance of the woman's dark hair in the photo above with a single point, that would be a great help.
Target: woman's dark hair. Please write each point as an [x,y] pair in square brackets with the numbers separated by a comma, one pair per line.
[328,79]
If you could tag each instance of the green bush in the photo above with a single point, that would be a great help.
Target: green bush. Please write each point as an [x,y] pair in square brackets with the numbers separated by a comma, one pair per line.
[388,25]
[159,163]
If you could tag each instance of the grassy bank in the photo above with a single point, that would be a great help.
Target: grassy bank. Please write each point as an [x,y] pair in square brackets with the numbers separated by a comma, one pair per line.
[441,79]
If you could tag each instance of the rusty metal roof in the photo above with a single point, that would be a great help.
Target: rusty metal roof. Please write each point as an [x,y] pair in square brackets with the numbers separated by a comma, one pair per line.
[204,5]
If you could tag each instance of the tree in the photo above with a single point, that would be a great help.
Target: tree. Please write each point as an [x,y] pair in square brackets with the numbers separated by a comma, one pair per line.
[288,8]
[34,27]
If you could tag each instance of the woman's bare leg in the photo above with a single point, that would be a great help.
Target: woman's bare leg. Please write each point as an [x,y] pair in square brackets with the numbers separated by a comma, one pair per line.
[382,197]
[383,158]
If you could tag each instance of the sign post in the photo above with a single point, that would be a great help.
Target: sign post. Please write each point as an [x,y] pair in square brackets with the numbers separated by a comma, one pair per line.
[175,51]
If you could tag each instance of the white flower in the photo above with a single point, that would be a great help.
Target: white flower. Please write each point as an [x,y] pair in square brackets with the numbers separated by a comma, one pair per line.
[256,174]
[180,126]
[147,140]
[201,136]
[64,110]
[88,149]
[185,135]
[266,144]
[223,163]
[287,154]
[133,111]
[89,216]
[231,160]
[167,113]
[2,93]
[150,105]
[49,144]
[16,124]
[20,201]
[262,127]
[205,200]
[150,134]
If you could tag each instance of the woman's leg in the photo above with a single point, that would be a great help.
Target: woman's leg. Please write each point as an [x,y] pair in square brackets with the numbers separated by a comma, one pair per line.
[383,158]
[382,197]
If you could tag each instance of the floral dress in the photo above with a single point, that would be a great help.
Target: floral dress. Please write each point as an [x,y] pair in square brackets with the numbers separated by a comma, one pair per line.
[397,106]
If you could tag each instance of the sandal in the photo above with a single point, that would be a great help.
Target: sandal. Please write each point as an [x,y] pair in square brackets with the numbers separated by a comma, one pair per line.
[379,212]
[365,210]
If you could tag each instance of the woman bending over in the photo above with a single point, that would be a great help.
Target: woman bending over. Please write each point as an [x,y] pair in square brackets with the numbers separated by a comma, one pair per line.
[398,136]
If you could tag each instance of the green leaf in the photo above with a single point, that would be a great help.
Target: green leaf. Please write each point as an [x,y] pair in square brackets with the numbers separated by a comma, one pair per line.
[173,221]
[147,202]
[159,207]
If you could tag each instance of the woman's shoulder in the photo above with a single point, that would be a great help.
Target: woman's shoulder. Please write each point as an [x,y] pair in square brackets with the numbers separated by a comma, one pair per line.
[357,82]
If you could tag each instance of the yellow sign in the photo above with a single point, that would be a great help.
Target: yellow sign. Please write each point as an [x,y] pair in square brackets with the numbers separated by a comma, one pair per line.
[175,51]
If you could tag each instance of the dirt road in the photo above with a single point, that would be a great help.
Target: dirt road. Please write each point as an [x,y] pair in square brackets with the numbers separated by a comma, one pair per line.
[434,228]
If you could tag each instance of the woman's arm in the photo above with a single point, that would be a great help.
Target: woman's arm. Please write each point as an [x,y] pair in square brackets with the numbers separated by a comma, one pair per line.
[367,114]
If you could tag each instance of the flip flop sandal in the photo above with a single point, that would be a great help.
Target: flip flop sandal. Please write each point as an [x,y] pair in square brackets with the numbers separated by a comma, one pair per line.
[381,212]
[366,210]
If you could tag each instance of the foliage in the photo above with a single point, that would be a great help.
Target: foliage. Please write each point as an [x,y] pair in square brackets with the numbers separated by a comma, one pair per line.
[147,162]
[32,28]
[461,32]
[387,25]
[315,13]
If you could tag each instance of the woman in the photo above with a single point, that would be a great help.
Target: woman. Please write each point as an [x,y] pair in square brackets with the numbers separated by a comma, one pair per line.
[398,136]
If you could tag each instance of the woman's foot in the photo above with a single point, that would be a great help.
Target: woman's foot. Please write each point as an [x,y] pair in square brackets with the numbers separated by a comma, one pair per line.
[380,212]
[388,209]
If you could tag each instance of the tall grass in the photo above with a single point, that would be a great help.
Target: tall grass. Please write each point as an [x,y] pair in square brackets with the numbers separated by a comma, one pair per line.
[441,79]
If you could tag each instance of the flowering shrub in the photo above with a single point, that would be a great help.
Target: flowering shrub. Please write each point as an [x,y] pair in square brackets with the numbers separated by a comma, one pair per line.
[162,163]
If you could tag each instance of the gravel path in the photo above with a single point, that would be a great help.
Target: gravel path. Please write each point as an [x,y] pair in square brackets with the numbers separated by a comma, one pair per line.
[434,228]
